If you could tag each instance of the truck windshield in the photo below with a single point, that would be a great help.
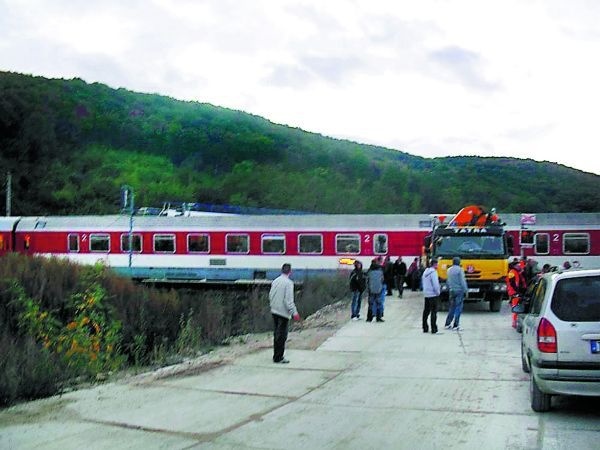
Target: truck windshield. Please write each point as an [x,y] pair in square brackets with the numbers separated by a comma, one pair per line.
[448,246]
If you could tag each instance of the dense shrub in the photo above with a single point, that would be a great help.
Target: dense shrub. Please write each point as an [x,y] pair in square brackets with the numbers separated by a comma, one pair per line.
[61,321]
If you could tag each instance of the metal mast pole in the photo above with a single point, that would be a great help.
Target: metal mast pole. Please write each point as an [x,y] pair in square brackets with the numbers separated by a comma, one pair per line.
[131,211]
[128,200]
[8,194]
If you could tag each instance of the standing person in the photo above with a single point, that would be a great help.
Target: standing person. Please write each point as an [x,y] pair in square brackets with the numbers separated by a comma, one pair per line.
[281,298]
[458,289]
[400,273]
[513,287]
[384,289]
[375,286]
[431,291]
[410,275]
[419,275]
[358,284]
[388,274]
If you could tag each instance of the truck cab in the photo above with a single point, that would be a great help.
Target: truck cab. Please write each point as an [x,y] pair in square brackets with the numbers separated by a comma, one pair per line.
[484,251]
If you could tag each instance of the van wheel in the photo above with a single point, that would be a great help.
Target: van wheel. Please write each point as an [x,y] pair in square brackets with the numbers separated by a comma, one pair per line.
[495,304]
[540,402]
[524,364]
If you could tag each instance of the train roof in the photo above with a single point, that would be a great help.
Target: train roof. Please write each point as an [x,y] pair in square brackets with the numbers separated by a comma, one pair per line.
[7,223]
[316,222]
[228,222]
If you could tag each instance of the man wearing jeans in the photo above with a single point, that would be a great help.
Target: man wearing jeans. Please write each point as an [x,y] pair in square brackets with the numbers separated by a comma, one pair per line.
[281,298]
[431,291]
[458,289]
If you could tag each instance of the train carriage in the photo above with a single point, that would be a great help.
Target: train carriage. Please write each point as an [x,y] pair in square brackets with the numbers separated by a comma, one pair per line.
[249,247]
[228,248]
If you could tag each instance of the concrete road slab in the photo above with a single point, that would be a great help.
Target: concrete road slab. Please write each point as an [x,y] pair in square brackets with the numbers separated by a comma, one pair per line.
[276,380]
[176,409]
[304,359]
[308,426]
[76,435]
[485,396]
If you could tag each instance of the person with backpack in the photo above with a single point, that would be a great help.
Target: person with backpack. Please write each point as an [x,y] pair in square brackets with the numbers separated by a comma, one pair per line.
[375,285]
[358,284]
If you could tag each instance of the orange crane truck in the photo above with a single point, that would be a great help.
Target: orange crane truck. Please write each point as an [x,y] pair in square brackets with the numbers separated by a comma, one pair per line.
[480,240]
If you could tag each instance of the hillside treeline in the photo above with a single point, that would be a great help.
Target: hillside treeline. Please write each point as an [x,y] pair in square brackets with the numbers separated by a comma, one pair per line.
[70,146]
[62,323]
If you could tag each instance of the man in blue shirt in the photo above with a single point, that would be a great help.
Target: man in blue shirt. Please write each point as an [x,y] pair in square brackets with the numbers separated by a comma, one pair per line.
[457,288]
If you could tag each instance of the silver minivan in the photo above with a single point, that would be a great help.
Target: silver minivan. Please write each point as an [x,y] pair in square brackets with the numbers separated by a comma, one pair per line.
[560,342]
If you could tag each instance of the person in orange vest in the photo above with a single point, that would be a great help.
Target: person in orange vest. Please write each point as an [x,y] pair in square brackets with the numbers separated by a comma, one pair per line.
[514,287]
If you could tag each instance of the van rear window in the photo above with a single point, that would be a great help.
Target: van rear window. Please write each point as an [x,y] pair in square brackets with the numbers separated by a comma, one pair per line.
[577,299]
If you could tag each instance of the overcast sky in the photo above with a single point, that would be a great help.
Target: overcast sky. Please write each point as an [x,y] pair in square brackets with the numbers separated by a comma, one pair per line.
[516,78]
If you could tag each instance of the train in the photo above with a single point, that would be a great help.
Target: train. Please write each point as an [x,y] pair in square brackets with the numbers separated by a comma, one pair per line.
[234,248]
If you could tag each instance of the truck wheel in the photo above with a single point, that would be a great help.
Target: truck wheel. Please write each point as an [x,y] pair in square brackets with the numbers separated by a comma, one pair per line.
[540,402]
[495,304]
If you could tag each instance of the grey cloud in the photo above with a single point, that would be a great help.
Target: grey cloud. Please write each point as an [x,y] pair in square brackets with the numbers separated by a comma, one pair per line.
[530,133]
[289,76]
[463,66]
[309,69]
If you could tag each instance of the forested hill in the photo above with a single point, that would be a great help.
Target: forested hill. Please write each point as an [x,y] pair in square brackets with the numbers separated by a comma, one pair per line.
[70,146]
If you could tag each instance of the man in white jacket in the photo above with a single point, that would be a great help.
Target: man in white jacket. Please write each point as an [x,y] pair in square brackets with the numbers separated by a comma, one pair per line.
[281,298]
[431,291]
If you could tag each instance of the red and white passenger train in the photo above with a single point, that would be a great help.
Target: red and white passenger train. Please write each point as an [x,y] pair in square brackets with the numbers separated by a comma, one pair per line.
[250,247]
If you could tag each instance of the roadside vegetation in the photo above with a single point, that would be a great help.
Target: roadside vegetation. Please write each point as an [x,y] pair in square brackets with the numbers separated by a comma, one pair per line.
[63,324]
[70,146]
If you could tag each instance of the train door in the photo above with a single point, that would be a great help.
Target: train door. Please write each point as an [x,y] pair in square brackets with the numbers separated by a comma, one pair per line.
[7,225]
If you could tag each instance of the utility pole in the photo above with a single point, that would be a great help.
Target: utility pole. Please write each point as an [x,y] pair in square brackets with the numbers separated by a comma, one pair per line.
[128,197]
[8,193]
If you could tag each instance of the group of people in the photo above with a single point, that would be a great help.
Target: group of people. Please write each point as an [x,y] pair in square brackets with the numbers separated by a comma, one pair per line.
[379,281]
[521,274]
[375,281]
[381,278]
[457,291]
[382,275]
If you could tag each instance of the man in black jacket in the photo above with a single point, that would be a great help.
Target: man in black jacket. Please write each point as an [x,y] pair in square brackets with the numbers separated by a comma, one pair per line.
[358,284]
[400,275]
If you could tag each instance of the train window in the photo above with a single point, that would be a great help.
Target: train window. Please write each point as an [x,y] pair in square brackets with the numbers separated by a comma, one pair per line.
[73,242]
[310,244]
[347,243]
[99,242]
[198,243]
[237,243]
[136,242]
[273,243]
[526,237]
[542,241]
[576,243]
[164,243]
[380,244]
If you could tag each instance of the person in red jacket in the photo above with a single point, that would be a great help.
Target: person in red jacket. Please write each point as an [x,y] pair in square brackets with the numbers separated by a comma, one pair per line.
[515,286]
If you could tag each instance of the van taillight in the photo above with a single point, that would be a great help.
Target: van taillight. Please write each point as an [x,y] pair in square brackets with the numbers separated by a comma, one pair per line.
[546,337]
